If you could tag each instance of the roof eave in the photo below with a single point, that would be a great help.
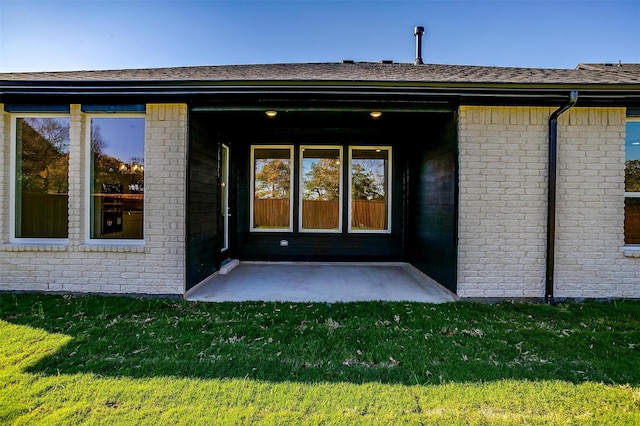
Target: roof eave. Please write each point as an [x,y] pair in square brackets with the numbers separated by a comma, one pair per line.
[195,88]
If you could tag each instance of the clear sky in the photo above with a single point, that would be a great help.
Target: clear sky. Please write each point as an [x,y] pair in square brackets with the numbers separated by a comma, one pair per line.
[50,35]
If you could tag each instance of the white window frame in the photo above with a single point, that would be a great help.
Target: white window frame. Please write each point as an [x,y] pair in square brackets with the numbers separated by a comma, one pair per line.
[88,183]
[252,188]
[300,190]
[389,189]
[12,181]
[634,247]
[224,154]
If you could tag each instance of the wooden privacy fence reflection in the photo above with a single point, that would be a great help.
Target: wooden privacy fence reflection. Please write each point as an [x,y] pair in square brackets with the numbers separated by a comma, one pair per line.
[320,214]
[270,213]
[274,213]
[43,215]
[368,215]
[632,221]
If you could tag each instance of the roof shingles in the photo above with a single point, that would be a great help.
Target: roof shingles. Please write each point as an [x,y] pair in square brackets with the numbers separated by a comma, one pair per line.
[346,72]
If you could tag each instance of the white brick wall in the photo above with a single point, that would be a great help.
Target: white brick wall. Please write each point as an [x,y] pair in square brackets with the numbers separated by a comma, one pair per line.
[155,268]
[503,190]
[502,210]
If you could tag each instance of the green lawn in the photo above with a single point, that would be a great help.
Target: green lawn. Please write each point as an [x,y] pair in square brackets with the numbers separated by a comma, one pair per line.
[117,360]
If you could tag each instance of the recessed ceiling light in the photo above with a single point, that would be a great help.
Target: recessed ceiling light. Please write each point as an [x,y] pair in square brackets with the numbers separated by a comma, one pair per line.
[271,113]
[375,114]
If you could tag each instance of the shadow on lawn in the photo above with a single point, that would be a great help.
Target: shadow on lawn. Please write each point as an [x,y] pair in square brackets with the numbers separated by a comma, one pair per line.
[404,343]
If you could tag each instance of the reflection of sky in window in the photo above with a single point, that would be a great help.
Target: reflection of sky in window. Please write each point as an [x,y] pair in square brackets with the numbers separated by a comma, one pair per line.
[124,136]
[632,144]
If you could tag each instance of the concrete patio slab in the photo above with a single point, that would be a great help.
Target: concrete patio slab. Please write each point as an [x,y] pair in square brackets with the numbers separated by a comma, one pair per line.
[320,282]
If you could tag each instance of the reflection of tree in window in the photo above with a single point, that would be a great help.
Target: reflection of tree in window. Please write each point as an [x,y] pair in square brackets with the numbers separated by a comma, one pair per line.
[42,170]
[321,189]
[632,183]
[44,154]
[273,178]
[271,188]
[127,173]
[632,176]
[322,181]
[117,177]
[367,179]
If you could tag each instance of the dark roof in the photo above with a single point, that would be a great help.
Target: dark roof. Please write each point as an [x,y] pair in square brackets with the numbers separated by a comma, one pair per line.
[329,82]
[586,74]
[616,68]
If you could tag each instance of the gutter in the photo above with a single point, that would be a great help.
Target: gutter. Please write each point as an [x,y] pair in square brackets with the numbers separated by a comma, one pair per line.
[551,193]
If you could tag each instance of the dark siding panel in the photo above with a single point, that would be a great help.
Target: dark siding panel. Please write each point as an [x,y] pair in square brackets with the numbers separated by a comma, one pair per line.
[432,235]
[308,246]
[202,202]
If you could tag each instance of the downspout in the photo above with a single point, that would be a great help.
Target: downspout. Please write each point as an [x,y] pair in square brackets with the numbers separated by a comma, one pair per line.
[551,193]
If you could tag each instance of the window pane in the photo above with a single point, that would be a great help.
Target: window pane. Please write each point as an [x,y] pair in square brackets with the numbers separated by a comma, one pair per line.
[632,183]
[272,188]
[117,177]
[321,188]
[369,189]
[42,177]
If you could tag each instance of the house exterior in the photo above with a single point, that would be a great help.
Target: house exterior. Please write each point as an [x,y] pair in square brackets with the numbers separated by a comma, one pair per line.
[495,182]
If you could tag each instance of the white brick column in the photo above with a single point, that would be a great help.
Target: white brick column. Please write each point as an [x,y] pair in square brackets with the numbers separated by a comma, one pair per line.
[77,173]
[502,201]
[165,194]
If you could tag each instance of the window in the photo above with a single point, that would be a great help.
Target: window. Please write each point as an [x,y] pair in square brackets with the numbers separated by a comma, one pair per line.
[632,183]
[318,193]
[369,189]
[271,184]
[321,188]
[41,190]
[116,177]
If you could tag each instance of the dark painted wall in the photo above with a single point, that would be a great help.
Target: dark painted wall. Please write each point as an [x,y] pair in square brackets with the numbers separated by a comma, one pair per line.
[336,129]
[424,189]
[432,186]
[202,201]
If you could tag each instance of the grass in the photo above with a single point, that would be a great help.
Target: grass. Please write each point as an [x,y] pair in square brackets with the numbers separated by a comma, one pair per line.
[108,360]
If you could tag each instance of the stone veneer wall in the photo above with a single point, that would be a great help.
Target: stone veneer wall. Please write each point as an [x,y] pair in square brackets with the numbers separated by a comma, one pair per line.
[155,267]
[503,202]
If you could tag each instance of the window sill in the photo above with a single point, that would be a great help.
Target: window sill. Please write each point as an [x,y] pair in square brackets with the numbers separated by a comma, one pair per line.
[632,251]
[113,248]
[34,247]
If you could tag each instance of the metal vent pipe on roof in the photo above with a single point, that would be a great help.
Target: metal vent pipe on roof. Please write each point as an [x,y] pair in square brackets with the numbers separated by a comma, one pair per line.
[418,32]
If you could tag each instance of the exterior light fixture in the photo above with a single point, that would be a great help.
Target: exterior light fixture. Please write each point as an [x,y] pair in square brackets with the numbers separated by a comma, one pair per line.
[635,143]
[271,113]
[375,114]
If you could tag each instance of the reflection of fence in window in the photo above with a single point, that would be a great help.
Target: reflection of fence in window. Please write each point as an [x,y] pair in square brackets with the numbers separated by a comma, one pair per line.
[368,215]
[271,213]
[320,214]
[43,216]
[632,220]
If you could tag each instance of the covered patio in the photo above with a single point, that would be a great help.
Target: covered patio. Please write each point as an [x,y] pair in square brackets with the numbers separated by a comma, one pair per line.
[321,282]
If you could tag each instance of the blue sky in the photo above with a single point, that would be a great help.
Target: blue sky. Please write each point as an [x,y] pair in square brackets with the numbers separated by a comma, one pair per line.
[38,35]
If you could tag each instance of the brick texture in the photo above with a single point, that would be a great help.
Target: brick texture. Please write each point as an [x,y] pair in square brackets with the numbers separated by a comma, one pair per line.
[503,202]
[157,267]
